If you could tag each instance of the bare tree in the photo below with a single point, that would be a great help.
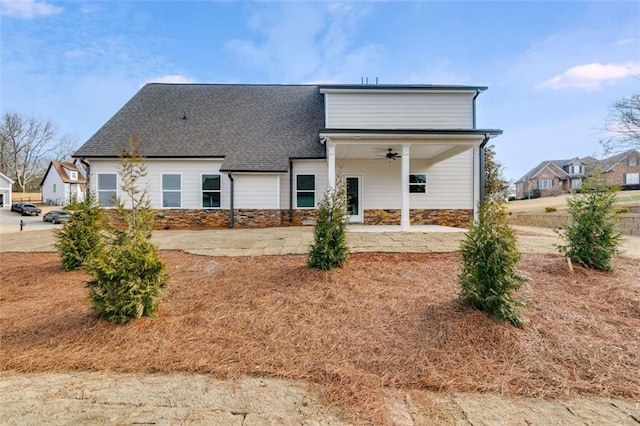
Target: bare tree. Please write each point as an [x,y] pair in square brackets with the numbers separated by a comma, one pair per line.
[623,125]
[27,145]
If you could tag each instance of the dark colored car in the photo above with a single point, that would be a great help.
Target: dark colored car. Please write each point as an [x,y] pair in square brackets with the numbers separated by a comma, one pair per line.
[30,210]
[17,207]
[56,216]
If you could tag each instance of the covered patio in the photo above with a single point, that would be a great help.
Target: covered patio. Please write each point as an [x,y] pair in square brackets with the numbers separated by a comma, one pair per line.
[418,152]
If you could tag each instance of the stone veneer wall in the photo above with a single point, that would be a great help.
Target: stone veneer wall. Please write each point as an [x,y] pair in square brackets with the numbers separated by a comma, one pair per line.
[629,222]
[219,218]
[263,218]
[459,218]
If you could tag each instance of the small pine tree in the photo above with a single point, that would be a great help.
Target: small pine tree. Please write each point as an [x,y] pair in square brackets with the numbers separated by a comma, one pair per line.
[592,233]
[489,276]
[128,276]
[80,239]
[329,248]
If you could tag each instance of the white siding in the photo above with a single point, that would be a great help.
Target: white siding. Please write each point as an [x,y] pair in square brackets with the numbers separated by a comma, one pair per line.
[304,167]
[449,183]
[399,110]
[191,172]
[256,191]
[48,195]
[5,191]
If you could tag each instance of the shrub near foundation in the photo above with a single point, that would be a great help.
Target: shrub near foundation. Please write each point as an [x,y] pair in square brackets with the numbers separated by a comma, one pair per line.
[329,248]
[128,275]
[489,276]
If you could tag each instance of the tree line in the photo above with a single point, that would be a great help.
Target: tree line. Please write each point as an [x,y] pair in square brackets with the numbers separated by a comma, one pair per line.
[27,145]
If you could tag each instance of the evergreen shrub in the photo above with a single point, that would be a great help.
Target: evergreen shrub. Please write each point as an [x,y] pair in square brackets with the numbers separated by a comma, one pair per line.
[489,277]
[329,248]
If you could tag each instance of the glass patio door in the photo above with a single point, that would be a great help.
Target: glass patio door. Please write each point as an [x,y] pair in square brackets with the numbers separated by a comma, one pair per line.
[354,198]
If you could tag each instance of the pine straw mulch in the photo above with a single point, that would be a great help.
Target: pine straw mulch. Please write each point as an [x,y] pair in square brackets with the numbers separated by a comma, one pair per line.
[382,321]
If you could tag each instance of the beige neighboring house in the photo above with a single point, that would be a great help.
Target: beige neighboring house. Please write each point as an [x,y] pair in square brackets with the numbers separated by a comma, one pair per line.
[5,191]
[553,177]
[61,183]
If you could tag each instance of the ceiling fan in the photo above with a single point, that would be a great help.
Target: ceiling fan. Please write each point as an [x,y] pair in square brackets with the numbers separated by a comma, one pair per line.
[391,156]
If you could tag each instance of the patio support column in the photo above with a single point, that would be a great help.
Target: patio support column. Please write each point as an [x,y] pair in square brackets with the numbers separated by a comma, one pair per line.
[404,217]
[331,160]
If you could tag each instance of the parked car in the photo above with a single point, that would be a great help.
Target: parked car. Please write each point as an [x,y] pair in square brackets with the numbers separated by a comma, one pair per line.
[17,207]
[30,210]
[56,216]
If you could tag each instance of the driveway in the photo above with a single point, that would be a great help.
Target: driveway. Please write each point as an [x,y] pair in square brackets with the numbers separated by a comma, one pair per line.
[10,221]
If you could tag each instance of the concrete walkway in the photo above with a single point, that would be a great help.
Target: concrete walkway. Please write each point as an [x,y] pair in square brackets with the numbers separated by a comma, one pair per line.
[296,240]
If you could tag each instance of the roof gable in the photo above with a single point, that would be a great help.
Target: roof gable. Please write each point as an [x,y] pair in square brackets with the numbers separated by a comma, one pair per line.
[609,163]
[62,168]
[554,165]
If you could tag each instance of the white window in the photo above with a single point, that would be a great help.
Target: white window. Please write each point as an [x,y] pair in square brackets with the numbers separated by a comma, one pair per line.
[107,189]
[417,184]
[73,175]
[576,183]
[305,191]
[545,184]
[171,190]
[210,191]
[633,161]
[576,169]
[632,178]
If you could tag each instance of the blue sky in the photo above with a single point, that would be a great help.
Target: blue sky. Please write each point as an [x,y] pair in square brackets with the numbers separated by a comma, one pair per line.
[553,68]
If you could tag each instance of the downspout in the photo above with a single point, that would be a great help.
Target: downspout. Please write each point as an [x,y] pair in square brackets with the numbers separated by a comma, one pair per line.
[87,167]
[487,137]
[290,190]
[231,217]
[474,107]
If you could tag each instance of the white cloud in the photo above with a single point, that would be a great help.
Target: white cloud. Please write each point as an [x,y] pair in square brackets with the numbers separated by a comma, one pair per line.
[27,9]
[175,78]
[623,41]
[297,42]
[591,76]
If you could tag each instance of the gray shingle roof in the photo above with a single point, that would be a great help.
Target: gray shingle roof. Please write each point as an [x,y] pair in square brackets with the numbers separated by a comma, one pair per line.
[254,127]
[608,163]
[537,169]
[591,163]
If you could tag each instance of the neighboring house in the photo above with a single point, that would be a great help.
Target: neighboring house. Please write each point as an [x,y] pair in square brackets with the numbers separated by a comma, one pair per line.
[5,191]
[263,155]
[623,169]
[61,183]
[553,177]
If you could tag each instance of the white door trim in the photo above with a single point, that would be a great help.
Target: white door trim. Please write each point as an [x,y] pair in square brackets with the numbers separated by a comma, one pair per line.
[358,218]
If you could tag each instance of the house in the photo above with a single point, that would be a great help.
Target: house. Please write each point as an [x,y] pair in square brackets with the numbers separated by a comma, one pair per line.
[263,155]
[553,177]
[61,183]
[5,191]
[623,169]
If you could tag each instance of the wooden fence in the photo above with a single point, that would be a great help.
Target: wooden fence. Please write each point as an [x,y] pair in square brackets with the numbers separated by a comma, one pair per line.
[26,197]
